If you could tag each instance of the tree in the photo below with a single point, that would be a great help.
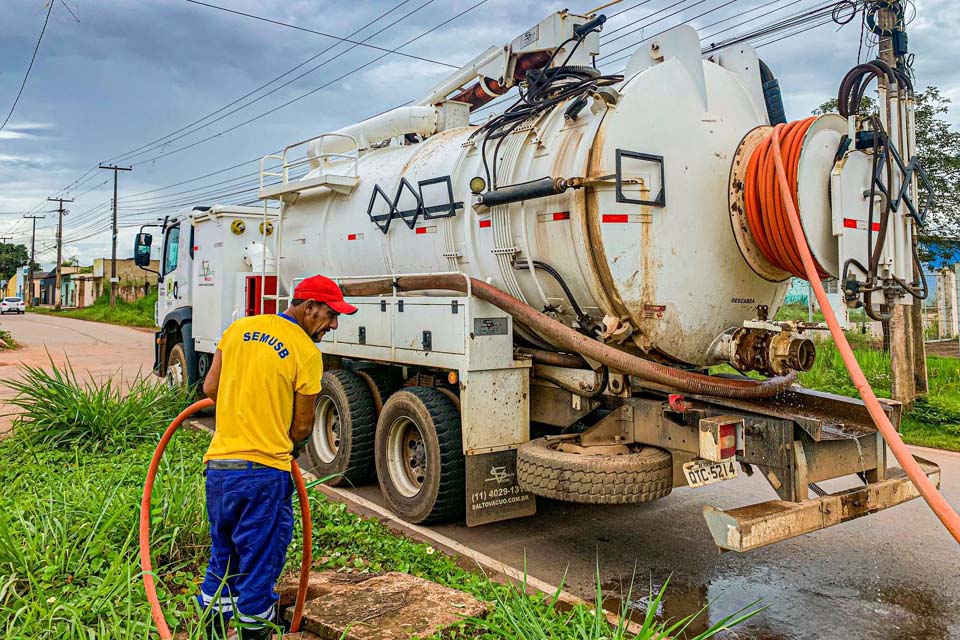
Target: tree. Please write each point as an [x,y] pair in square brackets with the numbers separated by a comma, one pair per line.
[12,257]
[938,148]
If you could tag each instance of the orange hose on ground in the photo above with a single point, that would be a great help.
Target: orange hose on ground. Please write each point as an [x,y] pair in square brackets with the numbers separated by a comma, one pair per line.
[947,515]
[149,585]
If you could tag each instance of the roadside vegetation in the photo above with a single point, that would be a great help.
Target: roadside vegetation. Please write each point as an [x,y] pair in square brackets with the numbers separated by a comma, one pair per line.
[6,340]
[70,487]
[131,314]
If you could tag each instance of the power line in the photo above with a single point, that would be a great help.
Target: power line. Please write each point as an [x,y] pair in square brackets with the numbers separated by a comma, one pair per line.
[159,142]
[29,68]
[321,87]
[90,173]
[319,33]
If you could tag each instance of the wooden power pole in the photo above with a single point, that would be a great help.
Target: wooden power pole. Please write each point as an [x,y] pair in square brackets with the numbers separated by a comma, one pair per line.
[113,253]
[62,212]
[33,256]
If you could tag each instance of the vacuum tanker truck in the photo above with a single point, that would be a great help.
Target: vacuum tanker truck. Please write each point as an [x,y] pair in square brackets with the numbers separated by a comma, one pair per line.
[543,291]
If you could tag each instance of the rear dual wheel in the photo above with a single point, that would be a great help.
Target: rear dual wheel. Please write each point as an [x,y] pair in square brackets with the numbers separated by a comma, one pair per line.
[415,448]
[419,456]
[345,421]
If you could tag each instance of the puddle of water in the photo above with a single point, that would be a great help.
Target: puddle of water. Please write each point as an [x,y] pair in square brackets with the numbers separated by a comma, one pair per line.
[825,611]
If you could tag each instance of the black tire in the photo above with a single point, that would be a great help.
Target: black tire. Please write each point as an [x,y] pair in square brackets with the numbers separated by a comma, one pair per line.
[442,485]
[641,476]
[345,397]
[177,372]
[383,381]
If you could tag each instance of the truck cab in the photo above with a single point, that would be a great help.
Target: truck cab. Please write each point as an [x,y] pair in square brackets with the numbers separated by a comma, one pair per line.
[207,254]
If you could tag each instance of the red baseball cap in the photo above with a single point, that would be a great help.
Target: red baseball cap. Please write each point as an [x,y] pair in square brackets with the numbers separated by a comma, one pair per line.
[325,290]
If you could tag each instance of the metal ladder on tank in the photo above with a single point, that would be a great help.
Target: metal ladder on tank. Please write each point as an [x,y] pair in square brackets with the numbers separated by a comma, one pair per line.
[285,190]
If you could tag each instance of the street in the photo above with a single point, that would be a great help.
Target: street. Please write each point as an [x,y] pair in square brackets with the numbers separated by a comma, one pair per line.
[895,574]
[93,349]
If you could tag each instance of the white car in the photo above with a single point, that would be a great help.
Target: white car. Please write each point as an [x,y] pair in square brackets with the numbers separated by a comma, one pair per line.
[12,305]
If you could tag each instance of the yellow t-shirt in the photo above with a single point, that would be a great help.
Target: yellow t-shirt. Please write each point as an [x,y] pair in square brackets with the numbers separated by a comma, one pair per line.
[265,360]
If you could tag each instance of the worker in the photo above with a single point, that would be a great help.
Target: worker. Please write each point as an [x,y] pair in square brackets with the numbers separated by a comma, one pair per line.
[265,378]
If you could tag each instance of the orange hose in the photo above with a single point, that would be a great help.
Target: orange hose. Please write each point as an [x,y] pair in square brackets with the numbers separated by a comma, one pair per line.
[149,586]
[947,515]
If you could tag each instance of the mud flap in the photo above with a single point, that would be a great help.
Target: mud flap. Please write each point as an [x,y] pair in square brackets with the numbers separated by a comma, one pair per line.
[493,492]
[755,526]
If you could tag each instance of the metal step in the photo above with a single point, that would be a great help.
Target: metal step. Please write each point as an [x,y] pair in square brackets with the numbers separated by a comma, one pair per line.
[755,526]
[335,182]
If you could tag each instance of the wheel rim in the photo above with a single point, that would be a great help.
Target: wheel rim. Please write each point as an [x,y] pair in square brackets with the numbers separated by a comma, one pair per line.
[326,430]
[175,374]
[406,456]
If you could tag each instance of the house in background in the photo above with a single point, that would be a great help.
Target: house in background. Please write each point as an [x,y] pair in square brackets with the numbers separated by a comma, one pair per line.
[133,282]
[82,286]
[16,284]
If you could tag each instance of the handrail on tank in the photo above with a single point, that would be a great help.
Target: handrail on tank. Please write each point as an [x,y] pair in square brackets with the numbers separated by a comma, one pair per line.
[264,172]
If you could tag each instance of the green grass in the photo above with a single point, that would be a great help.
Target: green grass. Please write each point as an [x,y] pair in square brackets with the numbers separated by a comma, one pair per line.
[933,421]
[6,340]
[69,506]
[131,314]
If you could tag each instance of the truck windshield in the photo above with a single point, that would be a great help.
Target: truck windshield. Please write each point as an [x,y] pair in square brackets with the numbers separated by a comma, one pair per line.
[171,250]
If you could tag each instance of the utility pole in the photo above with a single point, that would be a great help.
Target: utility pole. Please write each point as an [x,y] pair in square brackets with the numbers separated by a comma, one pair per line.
[33,254]
[62,212]
[908,362]
[113,255]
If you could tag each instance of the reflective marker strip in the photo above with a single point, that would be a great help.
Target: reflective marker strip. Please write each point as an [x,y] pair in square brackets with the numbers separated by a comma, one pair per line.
[355,236]
[851,223]
[486,224]
[553,217]
[620,218]
[422,230]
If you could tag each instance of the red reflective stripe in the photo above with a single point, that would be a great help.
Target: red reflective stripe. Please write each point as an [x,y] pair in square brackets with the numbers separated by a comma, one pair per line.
[421,230]
[851,223]
[352,236]
[616,217]
[562,215]
[484,224]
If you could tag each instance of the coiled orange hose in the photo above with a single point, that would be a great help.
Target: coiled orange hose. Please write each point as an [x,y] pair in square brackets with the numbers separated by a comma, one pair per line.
[764,203]
[149,585]
[780,185]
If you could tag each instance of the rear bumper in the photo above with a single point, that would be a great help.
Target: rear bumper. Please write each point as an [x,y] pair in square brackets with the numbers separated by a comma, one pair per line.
[755,526]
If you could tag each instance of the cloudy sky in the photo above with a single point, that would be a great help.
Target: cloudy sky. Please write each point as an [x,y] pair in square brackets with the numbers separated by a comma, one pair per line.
[152,77]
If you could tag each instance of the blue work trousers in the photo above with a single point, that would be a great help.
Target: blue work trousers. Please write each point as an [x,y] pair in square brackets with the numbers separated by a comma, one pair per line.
[251,526]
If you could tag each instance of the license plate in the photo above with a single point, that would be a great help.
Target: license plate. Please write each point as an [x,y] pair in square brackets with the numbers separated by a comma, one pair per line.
[703,472]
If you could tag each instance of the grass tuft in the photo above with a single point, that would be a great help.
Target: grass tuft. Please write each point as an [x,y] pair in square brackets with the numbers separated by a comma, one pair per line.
[57,410]
[131,314]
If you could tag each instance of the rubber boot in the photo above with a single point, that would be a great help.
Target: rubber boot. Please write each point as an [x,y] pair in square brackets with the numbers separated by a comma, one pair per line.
[256,633]
[215,627]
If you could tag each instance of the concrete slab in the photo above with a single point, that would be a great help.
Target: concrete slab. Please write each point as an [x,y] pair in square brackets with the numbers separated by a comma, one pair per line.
[393,606]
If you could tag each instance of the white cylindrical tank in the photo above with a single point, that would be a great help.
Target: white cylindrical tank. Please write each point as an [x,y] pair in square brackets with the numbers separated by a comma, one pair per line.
[671,271]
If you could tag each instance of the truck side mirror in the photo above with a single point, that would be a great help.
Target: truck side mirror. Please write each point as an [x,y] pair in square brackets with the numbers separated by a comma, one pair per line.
[141,249]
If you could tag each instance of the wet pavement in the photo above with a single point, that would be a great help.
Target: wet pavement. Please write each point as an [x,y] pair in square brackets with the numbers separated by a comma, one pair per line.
[893,575]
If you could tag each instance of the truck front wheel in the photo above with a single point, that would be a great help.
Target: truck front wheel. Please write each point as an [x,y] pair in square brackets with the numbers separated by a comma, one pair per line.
[419,452]
[341,445]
